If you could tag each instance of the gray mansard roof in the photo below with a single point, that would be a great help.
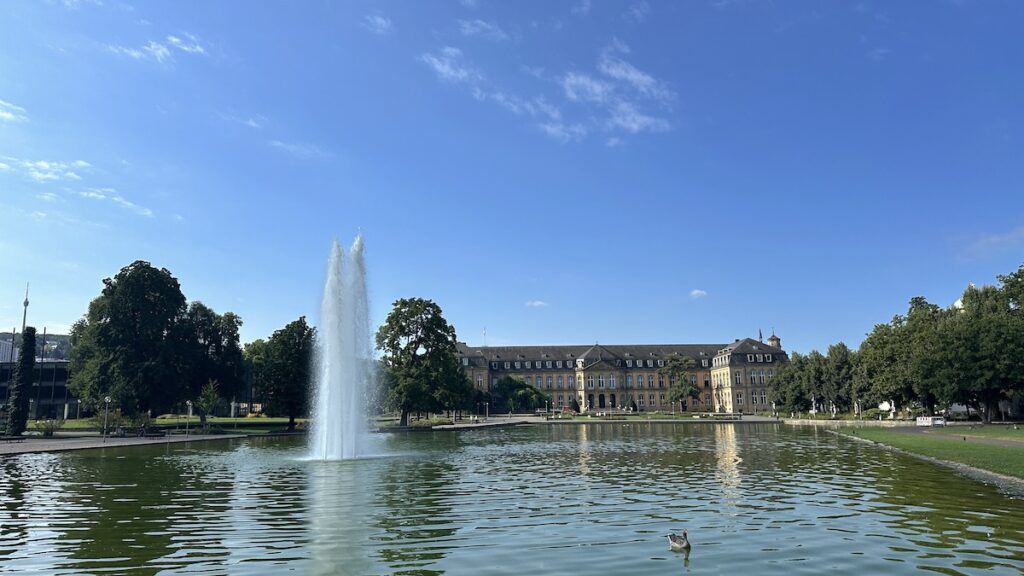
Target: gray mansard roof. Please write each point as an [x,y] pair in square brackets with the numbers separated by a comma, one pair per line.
[480,356]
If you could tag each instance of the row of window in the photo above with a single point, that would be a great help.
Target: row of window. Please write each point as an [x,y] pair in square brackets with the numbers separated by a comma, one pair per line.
[601,381]
[724,359]
[549,364]
[756,377]
[754,397]
[641,401]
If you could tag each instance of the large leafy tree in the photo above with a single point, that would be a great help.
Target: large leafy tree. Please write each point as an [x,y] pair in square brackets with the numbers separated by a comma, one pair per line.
[419,356]
[217,354]
[515,394]
[677,370]
[287,370]
[255,355]
[21,384]
[133,342]
[838,376]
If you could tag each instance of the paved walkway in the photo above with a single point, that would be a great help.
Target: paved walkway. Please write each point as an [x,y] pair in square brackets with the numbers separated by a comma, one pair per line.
[59,444]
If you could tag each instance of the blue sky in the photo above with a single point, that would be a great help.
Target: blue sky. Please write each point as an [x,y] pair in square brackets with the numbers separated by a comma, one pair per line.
[554,172]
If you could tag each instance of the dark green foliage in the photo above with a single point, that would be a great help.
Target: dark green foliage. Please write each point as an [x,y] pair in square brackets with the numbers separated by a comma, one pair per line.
[21,385]
[514,394]
[217,354]
[419,360]
[971,353]
[575,405]
[286,370]
[133,343]
[680,386]
[142,346]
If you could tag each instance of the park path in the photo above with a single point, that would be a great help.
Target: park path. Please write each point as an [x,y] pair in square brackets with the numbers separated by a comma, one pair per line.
[61,444]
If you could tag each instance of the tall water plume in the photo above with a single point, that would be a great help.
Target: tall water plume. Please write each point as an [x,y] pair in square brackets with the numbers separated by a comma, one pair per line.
[343,357]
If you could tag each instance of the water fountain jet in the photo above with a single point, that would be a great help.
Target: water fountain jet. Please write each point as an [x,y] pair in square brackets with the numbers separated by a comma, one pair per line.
[343,359]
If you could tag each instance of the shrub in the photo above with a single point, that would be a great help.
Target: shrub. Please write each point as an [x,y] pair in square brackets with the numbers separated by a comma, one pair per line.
[49,427]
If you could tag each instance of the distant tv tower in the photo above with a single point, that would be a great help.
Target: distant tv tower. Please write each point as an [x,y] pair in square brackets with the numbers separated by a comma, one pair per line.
[24,315]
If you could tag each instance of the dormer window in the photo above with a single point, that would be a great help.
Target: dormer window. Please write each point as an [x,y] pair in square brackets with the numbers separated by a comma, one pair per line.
[750,357]
[760,357]
[579,363]
[629,363]
[661,363]
[767,357]
[519,365]
[494,365]
[465,361]
[548,364]
[558,363]
[506,365]
[650,363]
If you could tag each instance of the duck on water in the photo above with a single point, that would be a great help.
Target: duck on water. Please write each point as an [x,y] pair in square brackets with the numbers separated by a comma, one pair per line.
[677,542]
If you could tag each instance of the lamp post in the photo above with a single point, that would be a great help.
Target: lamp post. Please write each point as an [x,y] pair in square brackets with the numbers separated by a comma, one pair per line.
[78,410]
[487,409]
[189,416]
[106,409]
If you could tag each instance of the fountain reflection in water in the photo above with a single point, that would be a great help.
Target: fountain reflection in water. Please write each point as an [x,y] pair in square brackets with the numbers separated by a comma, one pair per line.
[342,358]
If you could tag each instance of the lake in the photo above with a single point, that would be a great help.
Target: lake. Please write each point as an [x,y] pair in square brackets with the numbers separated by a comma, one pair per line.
[560,499]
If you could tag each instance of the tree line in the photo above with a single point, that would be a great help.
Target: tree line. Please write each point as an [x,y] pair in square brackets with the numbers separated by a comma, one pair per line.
[146,348]
[970,353]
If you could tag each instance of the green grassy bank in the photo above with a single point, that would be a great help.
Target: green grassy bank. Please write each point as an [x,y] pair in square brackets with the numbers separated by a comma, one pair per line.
[950,446]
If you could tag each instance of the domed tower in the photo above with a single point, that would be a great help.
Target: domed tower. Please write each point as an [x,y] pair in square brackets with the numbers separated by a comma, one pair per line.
[775,341]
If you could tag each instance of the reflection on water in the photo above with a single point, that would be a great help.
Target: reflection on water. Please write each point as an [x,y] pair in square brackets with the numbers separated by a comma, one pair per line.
[538,500]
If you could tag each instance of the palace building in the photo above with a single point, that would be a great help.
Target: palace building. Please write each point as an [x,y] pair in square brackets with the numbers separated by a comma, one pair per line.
[731,377]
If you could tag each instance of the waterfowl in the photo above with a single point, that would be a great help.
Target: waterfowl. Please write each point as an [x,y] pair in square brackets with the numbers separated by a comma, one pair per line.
[679,542]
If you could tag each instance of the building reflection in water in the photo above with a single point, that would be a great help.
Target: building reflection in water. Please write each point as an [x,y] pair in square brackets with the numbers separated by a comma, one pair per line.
[727,472]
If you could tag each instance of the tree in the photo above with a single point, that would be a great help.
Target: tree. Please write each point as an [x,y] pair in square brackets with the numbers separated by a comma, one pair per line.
[207,402]
[132,343]
[838,376]
[216,354]
[21,384]
[884,357]
[787,388]
[287,370]
[419,354]
[255,356]
[680,386]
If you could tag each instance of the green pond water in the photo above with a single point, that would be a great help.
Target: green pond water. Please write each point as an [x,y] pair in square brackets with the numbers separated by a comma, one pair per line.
[757,499]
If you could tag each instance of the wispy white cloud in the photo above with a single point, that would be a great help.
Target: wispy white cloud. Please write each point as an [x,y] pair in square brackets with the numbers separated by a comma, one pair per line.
[563,133]
[582,87]
[878,54]
[697,293]
[256,121]
[111,195]
[300,150]
[48,197]
[582,7]
[477,28]
[377,24]
[449,65]
[615,67]
[536,304]
[162,52]
[613,142]
[190,44]
[44,171]
[638,12]
[12,113]
[626,116]
[470,3]
[987,245]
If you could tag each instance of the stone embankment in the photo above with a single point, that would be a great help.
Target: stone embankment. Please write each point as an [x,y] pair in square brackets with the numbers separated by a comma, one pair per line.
[62,444]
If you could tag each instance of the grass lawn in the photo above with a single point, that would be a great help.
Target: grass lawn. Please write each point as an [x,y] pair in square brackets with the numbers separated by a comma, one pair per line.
[1000,431]
[999,459]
